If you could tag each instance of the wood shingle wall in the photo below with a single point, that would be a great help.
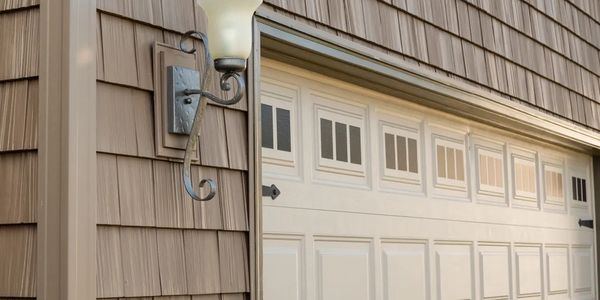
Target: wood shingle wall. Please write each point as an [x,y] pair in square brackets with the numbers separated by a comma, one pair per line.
[19,47]
[153,240]
[543,53]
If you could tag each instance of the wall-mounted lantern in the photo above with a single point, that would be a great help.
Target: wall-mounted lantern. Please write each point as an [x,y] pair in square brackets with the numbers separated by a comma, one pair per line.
[230,35]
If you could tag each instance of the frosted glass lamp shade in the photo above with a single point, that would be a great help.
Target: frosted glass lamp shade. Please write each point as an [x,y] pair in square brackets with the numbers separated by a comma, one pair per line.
[229,28]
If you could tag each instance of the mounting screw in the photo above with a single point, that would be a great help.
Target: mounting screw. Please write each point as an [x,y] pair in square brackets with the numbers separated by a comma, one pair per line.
[187,100]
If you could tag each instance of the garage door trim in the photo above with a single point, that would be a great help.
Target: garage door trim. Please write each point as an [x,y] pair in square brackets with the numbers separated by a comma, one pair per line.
[293,42]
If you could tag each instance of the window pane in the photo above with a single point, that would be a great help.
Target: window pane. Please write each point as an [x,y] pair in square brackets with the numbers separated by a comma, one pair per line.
[284,142]
[341,140]
[355,147]
[326,139]
[498,168]
[460,165]
[402,164]
[548,182]
[491,170]
[583,191]
[390,152]
[483,170]
[559,185]
[413,161]
[267,125]
[441,161]
[574,183]
[580,189]
[451,164]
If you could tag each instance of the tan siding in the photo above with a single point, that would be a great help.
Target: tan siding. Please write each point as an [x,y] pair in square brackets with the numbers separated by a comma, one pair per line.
[18,187]
[19,48]
[207,214]
[15,4]
[119,50]
[18,261]
[108,190]
[233,297]
[206,297]
[237,139]
[109,264]
[136,197]
[213,147]
[19,36]
[145,36]
[233,200]
[140,262]
[172,263]
[99,53]
[202,257]
[164,245]
[124,117]
[233,258]
[149,11]
[173,207]
[178,15]
[30,140]
[13,115]
[556,45]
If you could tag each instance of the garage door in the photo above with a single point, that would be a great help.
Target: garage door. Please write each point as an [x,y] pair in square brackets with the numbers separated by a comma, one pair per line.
[385,199]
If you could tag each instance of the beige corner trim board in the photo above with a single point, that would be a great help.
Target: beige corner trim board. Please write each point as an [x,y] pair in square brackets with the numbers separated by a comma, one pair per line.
[66,230]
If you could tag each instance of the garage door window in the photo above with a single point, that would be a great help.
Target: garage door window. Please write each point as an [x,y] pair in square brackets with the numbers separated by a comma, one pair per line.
[491,171]
[400,153]
[276,130]
[450,163]
[344,138]
[553,184]
[524,178]
[579,189]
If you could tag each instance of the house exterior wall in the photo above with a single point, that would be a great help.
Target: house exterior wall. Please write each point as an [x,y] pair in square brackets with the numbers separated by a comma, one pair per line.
[539,53]
[19,48]
[154,240]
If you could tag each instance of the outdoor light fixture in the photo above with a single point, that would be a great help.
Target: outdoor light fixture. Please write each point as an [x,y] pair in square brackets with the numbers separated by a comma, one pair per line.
[230,35]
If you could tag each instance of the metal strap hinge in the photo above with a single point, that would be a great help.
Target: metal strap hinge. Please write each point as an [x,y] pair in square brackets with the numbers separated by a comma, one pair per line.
[586,223]
[270,191]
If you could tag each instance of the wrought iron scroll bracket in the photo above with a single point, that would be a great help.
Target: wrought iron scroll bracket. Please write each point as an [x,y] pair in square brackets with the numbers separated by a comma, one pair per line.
[192,144]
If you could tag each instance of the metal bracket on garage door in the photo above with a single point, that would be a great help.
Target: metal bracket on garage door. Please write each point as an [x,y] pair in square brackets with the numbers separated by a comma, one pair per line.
[586,223]
[270,191]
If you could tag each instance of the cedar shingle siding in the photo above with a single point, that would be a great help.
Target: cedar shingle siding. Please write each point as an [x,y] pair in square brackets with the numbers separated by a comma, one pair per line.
[19,52]
[544,53]
[153,240]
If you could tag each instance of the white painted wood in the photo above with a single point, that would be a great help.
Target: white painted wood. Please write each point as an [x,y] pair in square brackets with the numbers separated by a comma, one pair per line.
[361,231]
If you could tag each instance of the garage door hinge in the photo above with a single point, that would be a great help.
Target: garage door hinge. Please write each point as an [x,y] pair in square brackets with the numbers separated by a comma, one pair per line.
[270,191]
[586,223]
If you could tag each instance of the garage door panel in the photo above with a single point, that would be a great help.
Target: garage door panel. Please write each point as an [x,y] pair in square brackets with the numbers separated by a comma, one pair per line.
[343,269]
[557,264]
[529,271]
[582,269]
[454,271]
[405,269]
[284,267]
[495,270]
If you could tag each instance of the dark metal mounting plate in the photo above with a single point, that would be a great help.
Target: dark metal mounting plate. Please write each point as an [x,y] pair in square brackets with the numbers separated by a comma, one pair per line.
[181,107]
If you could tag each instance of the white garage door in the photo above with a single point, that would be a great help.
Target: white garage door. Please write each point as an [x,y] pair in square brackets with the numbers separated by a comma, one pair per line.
[384,199]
